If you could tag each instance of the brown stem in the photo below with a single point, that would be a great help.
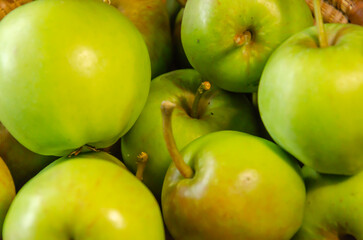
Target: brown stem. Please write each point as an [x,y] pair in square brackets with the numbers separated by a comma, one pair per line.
[323,41]
[107,1]
[142,159]
[205,86]
[75,152]
[167,108]
[94,149]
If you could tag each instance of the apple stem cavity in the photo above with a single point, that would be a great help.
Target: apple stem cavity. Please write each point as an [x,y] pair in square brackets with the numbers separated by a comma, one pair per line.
[323,41]
[242,39]
[204,87]
[167,109]
[142,159]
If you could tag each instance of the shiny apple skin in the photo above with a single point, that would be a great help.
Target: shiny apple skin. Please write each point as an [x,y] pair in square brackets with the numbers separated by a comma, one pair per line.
[210,29]
[72,72]
[87,197]
[310,100]
[244,187]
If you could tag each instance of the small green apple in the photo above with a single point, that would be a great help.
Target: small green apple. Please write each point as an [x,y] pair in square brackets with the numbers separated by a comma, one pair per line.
[217,110]
[7,191]
[310,99]
[333,207]
[22,163]
[72,73]
[231,185]
[86,197]
[229,41]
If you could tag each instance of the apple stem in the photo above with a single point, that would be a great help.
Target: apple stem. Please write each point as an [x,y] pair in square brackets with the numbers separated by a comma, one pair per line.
[185,170]
[94,149]
[142,159]
[75,152]
[323,41]
[205,86]
[107,1]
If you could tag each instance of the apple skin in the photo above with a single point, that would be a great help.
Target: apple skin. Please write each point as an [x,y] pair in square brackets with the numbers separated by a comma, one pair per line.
[210,29]
[333,208]
[22,163]
[7,191]
[219,110]
[86,197]
[152,20]
[310,100]
[78,81]
[244,187]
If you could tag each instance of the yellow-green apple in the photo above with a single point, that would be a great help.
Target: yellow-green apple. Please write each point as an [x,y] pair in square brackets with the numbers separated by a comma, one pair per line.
[196,115]
[310,98]
[229,41]
[231,185]
[86,197]
[73,73]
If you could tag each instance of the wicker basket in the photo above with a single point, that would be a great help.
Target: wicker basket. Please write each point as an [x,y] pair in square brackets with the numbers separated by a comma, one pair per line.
[340,11]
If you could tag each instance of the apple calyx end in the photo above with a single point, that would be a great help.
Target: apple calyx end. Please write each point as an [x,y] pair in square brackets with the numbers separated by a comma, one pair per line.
[241,39]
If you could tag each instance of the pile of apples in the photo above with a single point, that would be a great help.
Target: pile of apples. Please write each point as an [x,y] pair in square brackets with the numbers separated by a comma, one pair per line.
[188,120]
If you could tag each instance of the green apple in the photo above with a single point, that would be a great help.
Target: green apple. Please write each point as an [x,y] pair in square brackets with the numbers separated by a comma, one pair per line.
[72,73]
[333,208]
[152,20]
[85,197]
[231,185]
[229,41]
[217,110]
[310,99]
[22,163]
[7,191]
